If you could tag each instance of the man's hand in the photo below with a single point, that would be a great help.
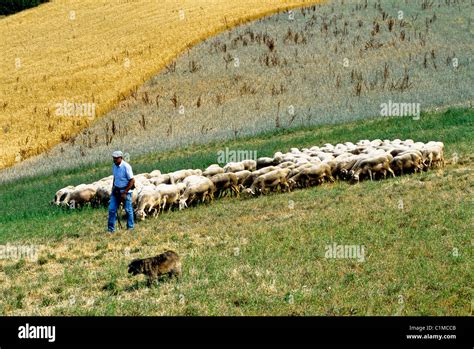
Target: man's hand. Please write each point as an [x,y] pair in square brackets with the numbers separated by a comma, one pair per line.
[123,196]
[131,182]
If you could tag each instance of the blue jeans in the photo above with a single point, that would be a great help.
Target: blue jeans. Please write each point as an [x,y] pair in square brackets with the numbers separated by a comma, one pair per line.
[113,207]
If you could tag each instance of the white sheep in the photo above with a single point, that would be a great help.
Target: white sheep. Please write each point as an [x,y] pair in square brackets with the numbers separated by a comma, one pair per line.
[212,170]
[234,167]
[196,186]
[170,194]
[149,199]
[271,180]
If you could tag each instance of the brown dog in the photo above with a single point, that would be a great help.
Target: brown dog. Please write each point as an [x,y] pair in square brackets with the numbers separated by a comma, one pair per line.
[154,267]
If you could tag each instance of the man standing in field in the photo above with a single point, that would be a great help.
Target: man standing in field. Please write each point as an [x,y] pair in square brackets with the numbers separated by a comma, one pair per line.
[123,185]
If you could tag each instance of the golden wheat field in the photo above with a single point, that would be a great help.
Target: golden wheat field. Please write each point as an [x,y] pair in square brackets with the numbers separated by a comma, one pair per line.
[87,55]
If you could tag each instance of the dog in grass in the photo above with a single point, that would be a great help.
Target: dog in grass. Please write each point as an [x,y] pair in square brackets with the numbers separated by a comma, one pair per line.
[154,267]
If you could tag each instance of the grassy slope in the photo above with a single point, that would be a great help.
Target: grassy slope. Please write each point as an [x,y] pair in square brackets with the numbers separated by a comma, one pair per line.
[409,269]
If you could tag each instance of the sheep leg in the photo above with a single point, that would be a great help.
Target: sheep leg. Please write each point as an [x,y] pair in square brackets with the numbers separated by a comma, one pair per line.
[157,210]
[235,189]
[150,210]
[391,171]
[164,203]
[286,185]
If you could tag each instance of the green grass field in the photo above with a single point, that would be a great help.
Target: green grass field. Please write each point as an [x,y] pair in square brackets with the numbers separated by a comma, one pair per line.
[259,256]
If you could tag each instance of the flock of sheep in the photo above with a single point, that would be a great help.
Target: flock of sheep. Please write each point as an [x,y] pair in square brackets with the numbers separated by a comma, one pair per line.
[155,192]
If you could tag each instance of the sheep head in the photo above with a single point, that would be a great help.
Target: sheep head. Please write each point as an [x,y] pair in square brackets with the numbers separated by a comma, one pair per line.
[182,203]
[140,214]
[355,178]
[291,183]
[248,192]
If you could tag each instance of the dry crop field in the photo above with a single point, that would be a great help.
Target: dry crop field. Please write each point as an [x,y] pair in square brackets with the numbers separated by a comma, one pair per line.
[95,52]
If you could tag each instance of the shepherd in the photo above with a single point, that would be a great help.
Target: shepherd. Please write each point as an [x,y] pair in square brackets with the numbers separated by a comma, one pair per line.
[123,185]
